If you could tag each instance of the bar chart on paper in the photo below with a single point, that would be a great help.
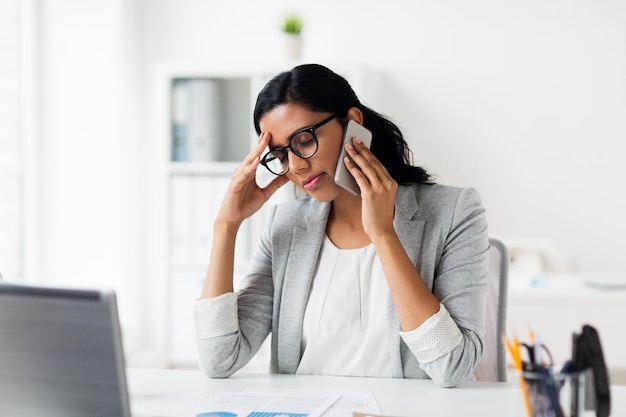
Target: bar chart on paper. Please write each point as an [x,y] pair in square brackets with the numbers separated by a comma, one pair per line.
[261,403]
[266,404]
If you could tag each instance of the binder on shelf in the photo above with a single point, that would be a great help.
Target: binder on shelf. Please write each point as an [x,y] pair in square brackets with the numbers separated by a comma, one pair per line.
[196,120]
[209,192]
[181,212]
[195,202]
[185,284]
[180,120]
[204,120]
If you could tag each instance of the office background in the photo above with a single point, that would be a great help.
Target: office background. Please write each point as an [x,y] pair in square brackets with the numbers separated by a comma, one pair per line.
[523,100]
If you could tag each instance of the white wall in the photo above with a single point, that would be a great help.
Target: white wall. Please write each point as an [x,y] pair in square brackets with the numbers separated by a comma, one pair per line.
[83,162]
[523,100]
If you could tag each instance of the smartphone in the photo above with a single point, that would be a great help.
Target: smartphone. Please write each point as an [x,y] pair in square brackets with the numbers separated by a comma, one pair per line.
[343,178]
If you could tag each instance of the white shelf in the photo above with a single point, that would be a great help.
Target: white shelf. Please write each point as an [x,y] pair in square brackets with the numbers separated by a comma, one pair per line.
[203,168]
[188,193]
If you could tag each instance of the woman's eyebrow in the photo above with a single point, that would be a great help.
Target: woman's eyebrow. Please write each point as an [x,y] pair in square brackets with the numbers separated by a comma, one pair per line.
[291,135]
[276,148]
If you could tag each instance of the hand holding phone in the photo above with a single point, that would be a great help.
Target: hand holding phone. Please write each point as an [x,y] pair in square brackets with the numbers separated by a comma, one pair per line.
[343,178]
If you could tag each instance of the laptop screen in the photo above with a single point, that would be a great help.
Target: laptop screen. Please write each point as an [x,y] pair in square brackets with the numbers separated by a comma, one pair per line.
[60,353]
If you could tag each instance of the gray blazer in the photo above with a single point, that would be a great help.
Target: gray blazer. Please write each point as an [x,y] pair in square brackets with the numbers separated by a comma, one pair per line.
[444,232]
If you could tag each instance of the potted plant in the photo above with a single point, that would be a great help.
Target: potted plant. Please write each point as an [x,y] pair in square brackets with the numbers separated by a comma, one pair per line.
[292,26]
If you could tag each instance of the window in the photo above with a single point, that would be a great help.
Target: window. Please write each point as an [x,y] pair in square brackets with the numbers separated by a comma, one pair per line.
[10,222]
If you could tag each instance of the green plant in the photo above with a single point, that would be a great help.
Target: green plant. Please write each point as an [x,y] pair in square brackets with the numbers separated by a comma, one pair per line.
[292,25]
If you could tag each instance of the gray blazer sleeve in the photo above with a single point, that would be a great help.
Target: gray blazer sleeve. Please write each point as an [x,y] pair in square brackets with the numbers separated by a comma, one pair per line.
[221,356]
[459,281]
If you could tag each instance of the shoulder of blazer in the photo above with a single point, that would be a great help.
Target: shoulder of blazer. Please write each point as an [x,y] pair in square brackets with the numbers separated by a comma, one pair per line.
[423,196]
[437,198]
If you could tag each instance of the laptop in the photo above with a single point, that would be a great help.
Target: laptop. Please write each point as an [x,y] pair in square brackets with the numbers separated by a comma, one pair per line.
[61,353]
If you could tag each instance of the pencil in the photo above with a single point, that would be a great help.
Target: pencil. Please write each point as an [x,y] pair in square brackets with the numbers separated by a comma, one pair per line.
[514,349]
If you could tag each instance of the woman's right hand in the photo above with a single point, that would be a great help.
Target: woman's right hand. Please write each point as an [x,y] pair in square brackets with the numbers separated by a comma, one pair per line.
[244,197]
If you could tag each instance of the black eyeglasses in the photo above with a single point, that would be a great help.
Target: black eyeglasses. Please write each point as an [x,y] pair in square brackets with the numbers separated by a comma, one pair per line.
[303,143]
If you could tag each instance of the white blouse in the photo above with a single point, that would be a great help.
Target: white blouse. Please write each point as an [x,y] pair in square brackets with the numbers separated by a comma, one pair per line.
[344,330]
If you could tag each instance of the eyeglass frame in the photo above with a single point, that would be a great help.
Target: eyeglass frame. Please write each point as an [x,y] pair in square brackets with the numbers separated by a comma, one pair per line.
[311,130]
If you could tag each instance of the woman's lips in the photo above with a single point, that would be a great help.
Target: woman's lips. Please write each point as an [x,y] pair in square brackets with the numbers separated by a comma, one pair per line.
[311,182]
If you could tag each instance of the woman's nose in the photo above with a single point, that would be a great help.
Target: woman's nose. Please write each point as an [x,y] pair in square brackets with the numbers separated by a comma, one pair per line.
[296,163]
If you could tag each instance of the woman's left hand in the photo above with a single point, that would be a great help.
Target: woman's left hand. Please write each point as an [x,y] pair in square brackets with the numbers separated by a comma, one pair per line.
[378,190]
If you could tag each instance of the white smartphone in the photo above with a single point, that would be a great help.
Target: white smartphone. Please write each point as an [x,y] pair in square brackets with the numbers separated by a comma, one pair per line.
[343,178]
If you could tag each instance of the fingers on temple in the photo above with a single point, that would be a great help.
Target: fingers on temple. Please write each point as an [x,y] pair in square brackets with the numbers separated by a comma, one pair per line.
[255,155]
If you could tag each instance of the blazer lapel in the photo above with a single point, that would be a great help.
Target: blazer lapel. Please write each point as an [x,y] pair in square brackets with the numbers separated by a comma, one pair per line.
[303,254]
[408,226]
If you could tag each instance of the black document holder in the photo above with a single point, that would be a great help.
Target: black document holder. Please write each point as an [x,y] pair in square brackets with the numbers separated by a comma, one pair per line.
[587,353]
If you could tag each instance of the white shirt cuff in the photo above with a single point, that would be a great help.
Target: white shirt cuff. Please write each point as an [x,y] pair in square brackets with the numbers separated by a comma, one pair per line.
[216,316]
[436,337]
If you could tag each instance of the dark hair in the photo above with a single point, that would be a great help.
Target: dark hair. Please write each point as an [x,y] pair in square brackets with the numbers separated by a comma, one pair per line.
[321,90]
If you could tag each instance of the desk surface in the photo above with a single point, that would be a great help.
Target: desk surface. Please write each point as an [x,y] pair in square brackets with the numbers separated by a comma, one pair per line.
[396,397]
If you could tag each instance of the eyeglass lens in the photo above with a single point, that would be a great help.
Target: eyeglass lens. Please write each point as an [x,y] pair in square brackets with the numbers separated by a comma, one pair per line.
[303,144]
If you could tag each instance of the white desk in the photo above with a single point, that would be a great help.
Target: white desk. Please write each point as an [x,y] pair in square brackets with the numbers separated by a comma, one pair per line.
[396,397]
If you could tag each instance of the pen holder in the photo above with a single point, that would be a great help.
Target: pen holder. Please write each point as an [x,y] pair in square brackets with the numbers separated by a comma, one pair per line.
[550,393]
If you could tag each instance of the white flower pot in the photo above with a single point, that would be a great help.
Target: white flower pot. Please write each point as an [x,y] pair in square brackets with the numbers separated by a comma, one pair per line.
[292,46]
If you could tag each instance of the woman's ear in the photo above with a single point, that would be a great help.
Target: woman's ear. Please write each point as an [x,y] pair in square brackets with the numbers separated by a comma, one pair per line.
[355,114]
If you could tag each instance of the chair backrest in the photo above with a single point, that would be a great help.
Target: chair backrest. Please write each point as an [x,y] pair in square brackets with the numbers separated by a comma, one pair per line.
[492,365]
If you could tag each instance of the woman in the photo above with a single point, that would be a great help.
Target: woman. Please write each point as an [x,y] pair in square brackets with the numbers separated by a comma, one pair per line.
[390,283]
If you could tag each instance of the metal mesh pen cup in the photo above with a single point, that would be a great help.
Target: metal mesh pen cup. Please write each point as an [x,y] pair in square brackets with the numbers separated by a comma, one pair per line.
[551,393]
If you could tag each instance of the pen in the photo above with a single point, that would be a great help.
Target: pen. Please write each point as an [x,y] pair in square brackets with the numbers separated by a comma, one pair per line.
[552,391]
